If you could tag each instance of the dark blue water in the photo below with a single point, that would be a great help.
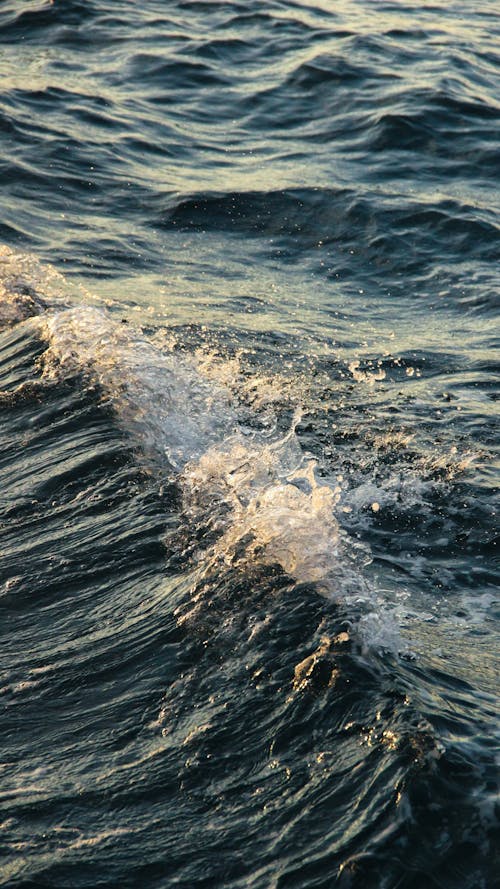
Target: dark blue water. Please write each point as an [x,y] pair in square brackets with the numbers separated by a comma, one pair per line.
[249,444]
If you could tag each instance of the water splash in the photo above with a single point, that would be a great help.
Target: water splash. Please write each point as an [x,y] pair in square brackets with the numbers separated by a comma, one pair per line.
[258,492]
[161,399]
[255,493]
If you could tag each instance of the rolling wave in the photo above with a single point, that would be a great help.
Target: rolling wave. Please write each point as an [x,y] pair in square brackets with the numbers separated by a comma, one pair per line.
[112,560]
[261,491]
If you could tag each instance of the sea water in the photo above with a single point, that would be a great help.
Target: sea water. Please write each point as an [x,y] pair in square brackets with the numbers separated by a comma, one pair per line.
[249,444]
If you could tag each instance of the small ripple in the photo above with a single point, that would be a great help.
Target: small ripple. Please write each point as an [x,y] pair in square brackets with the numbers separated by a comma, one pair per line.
[174,74]
[341,216]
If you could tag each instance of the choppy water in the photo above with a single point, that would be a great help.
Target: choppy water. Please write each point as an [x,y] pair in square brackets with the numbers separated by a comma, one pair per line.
[249,444]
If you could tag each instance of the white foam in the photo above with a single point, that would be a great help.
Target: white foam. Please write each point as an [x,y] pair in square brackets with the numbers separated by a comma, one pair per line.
[161,398]
[279,511]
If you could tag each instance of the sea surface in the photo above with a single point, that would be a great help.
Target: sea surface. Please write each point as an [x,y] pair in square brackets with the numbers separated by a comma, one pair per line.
[249,368]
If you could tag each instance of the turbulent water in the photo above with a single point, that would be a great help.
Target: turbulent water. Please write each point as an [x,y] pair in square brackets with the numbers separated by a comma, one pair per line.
[249,446]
